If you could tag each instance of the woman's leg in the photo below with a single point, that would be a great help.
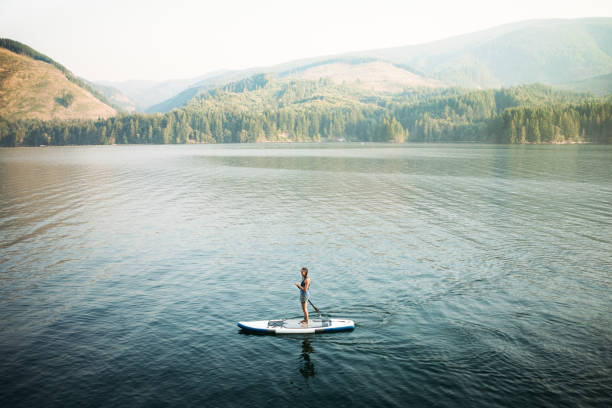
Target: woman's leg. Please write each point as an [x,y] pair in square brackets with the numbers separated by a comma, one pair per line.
[305,310]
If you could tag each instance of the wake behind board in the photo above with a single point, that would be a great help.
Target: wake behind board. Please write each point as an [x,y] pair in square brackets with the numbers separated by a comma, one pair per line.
[293,326]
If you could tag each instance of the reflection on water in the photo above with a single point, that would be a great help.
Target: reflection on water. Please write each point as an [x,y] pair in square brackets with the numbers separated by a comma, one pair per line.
[307,367]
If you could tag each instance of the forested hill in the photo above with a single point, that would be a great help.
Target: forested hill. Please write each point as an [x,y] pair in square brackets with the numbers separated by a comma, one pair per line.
[266,108]
[352,98]
[555,51]
[33,85]
[575,54]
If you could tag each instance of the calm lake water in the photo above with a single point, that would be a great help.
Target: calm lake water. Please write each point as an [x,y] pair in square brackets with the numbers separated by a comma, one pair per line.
[477,275]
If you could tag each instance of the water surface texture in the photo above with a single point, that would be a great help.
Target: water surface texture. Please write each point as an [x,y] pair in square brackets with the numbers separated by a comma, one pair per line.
[477,275]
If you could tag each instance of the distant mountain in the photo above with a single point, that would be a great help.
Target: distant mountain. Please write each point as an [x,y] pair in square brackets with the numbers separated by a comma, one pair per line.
[571,54]
[33,86]
[546,51]
[360,73]
[554,52]
[201,84]
[143,94]
[375,75]
[115,96]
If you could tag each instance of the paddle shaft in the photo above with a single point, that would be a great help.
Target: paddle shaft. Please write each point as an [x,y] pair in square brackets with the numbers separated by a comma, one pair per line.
[315,308]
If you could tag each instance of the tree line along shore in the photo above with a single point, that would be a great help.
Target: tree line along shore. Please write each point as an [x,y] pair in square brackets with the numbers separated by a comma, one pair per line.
[262,109]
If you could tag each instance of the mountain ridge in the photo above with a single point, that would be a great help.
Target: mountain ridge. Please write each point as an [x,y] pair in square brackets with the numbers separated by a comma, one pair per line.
[551,51]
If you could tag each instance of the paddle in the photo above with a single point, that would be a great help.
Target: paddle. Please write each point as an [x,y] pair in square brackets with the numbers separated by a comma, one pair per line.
[315,308]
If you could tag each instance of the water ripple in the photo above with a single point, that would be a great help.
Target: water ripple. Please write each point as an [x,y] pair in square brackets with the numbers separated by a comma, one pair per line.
[476,275]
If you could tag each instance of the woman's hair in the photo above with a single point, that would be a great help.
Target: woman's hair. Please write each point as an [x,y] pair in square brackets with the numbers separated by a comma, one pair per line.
[305,270]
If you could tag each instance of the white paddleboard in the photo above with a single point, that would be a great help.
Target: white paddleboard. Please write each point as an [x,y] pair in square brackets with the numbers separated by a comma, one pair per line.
[293,326]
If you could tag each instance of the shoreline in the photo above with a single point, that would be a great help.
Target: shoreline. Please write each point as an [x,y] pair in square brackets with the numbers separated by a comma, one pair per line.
[350,143]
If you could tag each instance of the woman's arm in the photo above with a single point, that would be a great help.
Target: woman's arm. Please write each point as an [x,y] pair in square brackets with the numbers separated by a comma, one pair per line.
[306,285]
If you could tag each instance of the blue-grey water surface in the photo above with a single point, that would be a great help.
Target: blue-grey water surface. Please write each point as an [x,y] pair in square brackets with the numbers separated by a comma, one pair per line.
[477,275]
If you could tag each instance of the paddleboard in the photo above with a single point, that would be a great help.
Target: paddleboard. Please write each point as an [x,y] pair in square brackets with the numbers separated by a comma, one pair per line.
[293,326]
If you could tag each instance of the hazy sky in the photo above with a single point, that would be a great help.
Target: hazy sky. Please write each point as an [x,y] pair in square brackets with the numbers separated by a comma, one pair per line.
[120,40]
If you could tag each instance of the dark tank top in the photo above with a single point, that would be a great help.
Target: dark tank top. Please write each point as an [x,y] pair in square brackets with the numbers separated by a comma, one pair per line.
[304,292]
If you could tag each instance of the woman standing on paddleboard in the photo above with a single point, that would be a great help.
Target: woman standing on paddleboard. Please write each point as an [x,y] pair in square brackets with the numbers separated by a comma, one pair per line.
[304,293]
